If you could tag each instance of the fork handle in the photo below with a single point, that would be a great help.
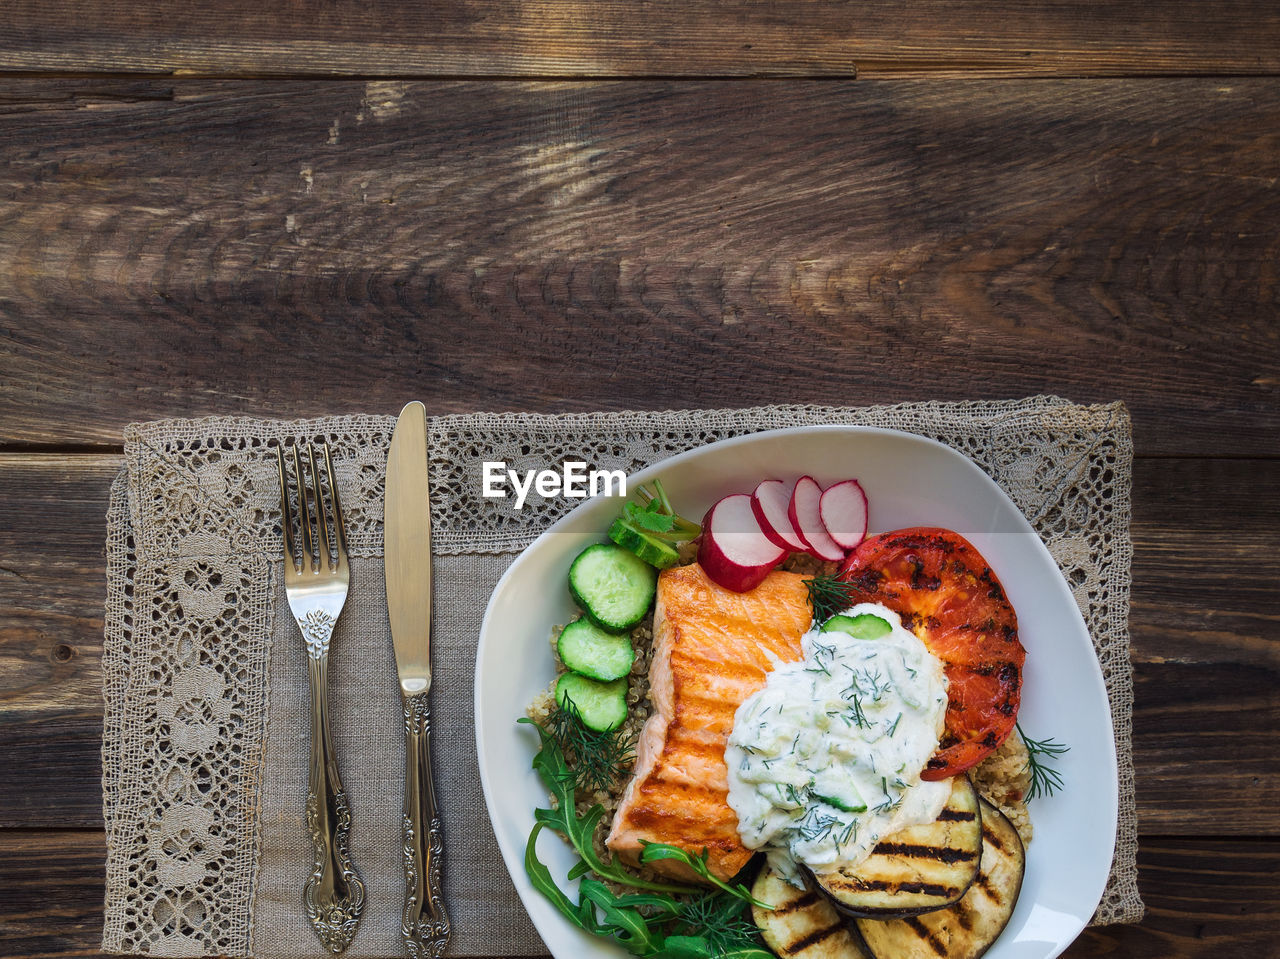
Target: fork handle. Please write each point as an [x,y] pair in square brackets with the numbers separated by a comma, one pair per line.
[425,923]
[334,895]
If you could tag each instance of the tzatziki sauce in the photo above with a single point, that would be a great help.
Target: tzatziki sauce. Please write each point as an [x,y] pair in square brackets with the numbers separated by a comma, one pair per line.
[825,760]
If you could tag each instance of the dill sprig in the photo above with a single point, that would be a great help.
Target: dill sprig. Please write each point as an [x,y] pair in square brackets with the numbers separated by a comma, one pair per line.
[850,833]
[1045,780]
[828,596]
[718,918]
[816,825]
[859,717]
[596,760]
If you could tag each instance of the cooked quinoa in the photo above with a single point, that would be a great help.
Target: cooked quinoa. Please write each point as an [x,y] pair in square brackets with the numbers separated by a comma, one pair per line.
[1003,778]
[640,707]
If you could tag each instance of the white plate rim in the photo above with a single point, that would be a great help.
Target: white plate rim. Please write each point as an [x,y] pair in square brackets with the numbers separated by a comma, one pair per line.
[552,927]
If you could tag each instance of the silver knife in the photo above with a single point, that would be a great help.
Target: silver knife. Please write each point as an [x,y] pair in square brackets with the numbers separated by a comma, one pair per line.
[407,551]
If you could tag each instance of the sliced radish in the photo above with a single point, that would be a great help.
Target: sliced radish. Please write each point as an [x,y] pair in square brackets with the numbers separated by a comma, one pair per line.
[806,518]
[843,510]
[734,551]
[769,502]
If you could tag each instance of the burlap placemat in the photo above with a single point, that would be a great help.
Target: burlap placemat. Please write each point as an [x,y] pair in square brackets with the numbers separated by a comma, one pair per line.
[205,740]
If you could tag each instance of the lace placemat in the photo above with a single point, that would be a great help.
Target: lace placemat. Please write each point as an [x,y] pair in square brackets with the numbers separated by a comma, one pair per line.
[204,743]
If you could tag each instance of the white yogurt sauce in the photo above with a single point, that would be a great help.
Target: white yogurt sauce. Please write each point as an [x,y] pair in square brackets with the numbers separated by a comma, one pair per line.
[826,759]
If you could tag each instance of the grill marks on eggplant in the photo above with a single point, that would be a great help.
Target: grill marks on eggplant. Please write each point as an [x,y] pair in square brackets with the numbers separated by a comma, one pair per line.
[918,869]
[928,938]
[808,926]
[807,898]
[802,924]
[939,853]
[806,943]
[993,837]
[899,886]
[967,929]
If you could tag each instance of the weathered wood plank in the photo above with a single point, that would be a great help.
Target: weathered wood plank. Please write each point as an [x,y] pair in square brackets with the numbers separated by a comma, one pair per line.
[1204,899]
[53,883]
[52,586]
[190,247]
[661,37]
[1205,656]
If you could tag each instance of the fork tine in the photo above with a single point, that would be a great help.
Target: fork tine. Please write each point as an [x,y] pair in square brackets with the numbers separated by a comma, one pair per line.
[286,514]
[339,537]
[322,520]
[304,507]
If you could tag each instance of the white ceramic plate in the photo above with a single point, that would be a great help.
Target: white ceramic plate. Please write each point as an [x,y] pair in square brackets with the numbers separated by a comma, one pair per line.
[910,481]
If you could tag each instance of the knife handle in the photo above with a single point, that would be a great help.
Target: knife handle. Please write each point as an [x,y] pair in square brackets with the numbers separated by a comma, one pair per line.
[334,895]
[425,923]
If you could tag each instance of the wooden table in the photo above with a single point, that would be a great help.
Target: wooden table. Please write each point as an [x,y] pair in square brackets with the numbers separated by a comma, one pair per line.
[547,206]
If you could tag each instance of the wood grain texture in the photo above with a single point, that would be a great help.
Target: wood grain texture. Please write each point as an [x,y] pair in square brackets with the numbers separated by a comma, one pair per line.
[662,37]
[52,585]
[566,246]
[52,902]
[1201,897]
[180,246]
[1207,672]
[1203,658]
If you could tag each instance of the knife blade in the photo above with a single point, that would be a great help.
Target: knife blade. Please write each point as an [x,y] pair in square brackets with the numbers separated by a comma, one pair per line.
[407,549]
[407,563]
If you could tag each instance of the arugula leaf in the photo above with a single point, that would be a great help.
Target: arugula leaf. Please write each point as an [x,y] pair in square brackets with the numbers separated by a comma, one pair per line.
[558,778]
[654,851]
[685,947]
[625,924]
[540,878]
[747,952]
[622,920]
[696,947]
[651,924]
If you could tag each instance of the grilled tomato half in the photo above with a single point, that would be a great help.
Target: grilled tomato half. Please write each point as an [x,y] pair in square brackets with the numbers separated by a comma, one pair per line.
[947,594]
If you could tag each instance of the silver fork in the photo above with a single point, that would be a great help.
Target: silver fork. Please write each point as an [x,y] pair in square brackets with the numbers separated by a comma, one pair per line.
[315,582]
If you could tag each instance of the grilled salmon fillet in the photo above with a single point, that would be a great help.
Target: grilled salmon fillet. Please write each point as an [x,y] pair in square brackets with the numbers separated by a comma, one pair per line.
[712,649]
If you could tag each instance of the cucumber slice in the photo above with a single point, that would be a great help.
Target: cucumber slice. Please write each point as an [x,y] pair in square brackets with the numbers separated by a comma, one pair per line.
[862,626]
[845,803]
[838,789]
[649,548]
[613,585]
[587,649]
[600,706]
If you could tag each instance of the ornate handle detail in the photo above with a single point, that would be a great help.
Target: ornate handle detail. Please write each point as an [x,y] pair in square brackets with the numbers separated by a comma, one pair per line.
[334,895]
[425,923]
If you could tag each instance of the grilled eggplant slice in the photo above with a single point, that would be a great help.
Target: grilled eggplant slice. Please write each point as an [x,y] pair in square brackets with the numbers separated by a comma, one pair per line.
[917,869]
[967,929]
[802,924]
